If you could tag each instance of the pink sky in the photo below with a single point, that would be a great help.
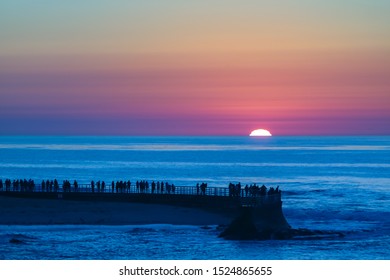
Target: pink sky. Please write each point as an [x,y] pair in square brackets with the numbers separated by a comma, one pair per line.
[302,71]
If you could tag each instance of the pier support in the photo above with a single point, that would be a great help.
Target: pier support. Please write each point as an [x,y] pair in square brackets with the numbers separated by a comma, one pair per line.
[265,222]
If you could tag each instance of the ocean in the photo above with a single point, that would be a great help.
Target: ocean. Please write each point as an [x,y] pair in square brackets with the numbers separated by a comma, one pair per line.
[328,183]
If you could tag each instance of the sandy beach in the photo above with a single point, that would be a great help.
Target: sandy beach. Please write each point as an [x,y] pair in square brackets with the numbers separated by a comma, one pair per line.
[25,211]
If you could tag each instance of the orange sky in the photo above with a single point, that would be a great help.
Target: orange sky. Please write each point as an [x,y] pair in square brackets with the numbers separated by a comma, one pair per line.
[297,68]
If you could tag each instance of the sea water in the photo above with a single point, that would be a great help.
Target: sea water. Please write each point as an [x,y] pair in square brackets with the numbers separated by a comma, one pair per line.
[328,183]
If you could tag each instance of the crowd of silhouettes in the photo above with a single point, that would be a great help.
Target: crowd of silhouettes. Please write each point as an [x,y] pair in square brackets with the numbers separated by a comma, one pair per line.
[50,185]
[99,186]
[252,190]
[22,185]
[201,189]
[142,186]
[123,186]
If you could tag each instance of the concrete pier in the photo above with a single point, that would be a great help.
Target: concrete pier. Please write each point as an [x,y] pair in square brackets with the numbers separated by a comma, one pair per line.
[264,212]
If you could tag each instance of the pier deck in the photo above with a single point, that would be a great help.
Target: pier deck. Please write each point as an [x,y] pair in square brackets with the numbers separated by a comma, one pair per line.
[190,196]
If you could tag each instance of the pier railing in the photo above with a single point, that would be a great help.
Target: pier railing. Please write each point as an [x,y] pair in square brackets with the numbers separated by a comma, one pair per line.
[245,197]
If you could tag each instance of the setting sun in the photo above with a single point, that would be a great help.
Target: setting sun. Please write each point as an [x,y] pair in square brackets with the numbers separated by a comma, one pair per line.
[260,132]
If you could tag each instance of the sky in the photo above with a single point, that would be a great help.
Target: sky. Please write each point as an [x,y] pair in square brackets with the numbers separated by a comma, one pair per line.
[215,67]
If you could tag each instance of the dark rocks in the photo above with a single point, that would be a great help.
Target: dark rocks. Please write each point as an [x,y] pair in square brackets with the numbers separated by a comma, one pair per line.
[244,227]
[16,241]
[306,234]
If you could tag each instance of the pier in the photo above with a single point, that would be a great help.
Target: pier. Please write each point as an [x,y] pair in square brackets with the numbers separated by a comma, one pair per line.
[200,195]
[254,211]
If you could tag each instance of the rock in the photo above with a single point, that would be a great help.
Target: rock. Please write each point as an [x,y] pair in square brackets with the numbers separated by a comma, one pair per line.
[242,228]
[15,241]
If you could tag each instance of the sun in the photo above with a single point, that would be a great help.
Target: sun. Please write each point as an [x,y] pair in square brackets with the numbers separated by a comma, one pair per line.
[260,132]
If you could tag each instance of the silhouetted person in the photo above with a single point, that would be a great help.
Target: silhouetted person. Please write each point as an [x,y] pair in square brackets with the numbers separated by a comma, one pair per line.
[263,190]
[153,186]
[231,188]
[7,185]
[279,193]
[56,185]
[203,187]
[168,187]
[128,187]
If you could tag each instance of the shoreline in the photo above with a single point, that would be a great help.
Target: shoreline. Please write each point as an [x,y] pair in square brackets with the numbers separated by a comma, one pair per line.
[38,211]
